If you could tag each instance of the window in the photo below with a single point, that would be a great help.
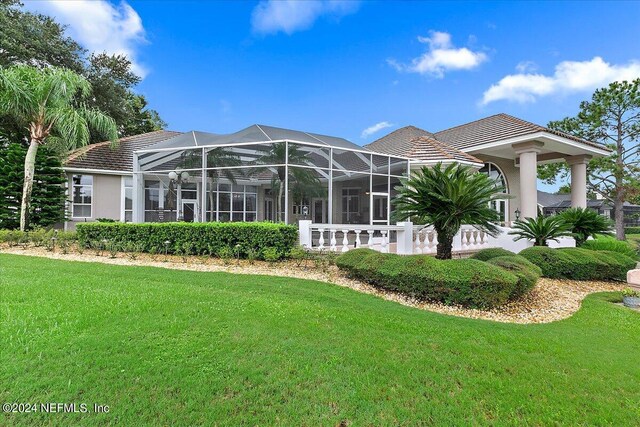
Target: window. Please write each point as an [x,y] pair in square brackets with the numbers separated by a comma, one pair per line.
[233,202]
[127,199]
[496,175]
[82,196]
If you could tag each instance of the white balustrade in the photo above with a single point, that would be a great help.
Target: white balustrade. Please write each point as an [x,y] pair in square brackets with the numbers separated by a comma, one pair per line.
[402,238]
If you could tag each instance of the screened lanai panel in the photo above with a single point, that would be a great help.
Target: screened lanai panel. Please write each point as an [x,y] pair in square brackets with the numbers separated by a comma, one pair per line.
[309,155]
[172,197]
[170,160]
[351,160]
[245,155]
[398,166]
[380,164]
[308,194]
[351,192]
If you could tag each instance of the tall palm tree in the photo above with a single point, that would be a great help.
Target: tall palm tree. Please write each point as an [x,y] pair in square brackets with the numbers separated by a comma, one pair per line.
[49,103]
[447,198]
[303,178]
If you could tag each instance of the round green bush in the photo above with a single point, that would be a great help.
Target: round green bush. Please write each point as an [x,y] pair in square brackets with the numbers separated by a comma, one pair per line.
[487,254]
[526,272]
[579,263]
[467,282]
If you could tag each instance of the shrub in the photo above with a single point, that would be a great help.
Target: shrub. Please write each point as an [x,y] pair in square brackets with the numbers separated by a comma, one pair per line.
[490,253]
[612,245]
[579,263]
[585,223]
[205,238]
[271,254]
[540,229]
[632,230]
[466,282]
[526,272]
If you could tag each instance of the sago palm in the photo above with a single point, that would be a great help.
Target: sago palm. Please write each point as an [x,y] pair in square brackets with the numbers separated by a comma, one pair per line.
[585,223]
[49,103]
[540,229]
[447,198]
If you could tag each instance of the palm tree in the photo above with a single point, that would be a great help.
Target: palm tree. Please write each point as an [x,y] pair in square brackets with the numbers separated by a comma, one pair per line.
[585,223]
[220,157]
[49,103]
[277,155]
[447,198]
[541,229]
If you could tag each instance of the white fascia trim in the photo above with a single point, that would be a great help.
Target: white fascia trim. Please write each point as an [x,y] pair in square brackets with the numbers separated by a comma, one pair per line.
[433,162]
[538,135]
[97,171]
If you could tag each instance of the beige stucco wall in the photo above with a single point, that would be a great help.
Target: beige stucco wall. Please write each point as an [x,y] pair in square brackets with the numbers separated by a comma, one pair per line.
[106,200]
[512,175]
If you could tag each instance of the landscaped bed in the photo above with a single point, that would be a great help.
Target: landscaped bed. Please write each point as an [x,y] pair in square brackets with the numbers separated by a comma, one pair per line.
[166,347]
[550,300]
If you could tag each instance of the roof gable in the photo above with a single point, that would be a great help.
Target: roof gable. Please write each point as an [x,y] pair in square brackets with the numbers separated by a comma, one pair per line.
[497,128]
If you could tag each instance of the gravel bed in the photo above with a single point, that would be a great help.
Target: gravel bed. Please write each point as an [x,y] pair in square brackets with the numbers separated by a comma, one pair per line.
[549,301]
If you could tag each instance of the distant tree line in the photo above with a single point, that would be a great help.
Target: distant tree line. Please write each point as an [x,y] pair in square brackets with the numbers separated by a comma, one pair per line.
[38,41]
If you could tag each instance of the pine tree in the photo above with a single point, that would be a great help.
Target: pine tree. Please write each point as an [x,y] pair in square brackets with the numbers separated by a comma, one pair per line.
[48,198]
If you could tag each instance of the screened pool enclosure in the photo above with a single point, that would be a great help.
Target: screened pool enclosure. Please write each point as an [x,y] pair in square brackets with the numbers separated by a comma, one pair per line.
[264,173]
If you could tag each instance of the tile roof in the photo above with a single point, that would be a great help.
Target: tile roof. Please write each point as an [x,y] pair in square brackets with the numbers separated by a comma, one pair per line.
[398,142]
[419,144]
[496,128]
[102,156]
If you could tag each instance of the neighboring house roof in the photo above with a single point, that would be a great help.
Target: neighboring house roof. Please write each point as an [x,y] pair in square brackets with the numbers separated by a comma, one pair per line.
[548,199]
[419,144]
[496,128]
[255,133]
[563,201]
[102,156]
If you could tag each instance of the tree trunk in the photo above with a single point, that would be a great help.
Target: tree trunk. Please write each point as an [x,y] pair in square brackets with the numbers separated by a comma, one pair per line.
[618,208]
[280,213]
[29,168]
[445,244]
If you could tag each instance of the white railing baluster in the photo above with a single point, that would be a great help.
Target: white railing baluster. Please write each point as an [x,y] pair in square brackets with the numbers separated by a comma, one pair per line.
[321,239]
[357,243]
[384,244]
[370,241]
[417,248]
[333,239]
[345,240]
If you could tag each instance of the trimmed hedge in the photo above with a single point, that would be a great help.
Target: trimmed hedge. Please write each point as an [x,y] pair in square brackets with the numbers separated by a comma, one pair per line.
[579,263]
[207,238]
[490,253]
[526,272]
[612,245]
[632,230]
[467,282]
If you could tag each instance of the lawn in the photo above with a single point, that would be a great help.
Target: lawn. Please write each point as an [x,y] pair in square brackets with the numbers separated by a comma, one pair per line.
[166,347]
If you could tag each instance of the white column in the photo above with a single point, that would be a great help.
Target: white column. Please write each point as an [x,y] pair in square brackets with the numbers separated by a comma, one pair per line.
[578,180]
[405,238]
[528,155]
[304,230]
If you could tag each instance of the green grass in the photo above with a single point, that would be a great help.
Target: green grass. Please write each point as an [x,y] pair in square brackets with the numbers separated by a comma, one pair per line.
[165,347]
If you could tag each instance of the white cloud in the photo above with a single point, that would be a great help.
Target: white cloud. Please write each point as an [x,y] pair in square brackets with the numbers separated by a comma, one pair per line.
[99,26]
[568,77]
[375,128]
[527,67]
[441,56]
[289,16]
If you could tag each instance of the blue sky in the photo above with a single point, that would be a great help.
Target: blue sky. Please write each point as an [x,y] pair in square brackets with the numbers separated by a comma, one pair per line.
[341,68]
